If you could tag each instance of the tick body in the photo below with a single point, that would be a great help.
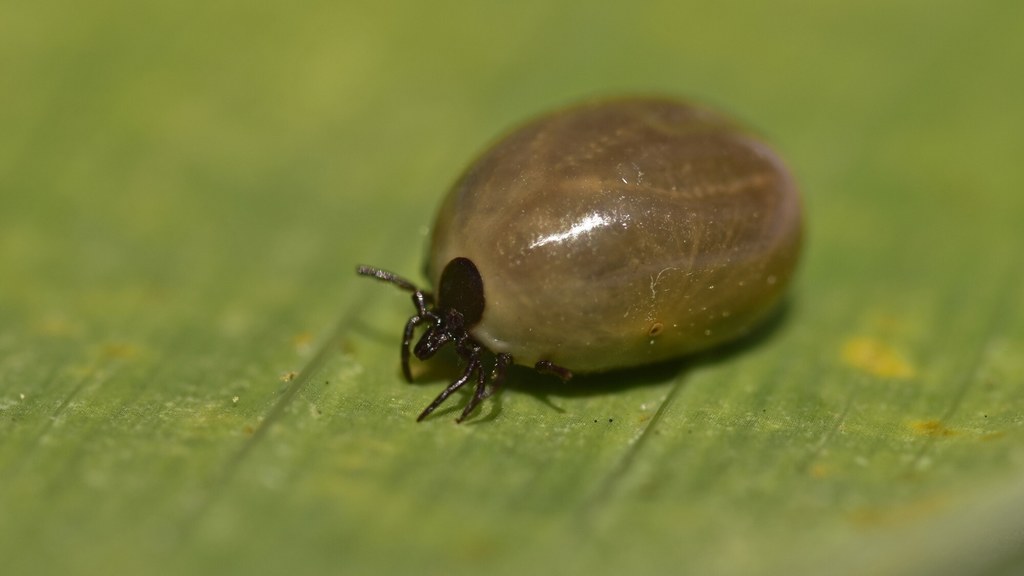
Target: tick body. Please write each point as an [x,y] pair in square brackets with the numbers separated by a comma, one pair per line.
[605,236]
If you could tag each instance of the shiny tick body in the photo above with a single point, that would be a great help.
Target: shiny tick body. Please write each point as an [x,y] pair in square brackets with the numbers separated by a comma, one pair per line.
[604,236]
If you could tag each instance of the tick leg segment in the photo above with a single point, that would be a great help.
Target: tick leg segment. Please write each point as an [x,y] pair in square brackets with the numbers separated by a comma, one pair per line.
[423,315]
[410,328]
[501,365]
[482,391]
[385,276]
[548,367]
[471,366]
[420,298]
[478,395]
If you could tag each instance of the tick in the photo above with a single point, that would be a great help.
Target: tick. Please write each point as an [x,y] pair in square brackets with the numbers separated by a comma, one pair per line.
[607,235]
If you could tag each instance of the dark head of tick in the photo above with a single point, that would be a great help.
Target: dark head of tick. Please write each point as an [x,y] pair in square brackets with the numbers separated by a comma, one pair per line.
[458,307]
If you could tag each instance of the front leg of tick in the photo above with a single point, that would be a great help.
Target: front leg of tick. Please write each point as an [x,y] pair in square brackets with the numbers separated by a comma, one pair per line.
[410,329]
[421,300]
[471,366]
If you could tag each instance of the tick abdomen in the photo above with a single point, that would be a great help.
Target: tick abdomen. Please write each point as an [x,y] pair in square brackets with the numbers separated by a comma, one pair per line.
[622,233]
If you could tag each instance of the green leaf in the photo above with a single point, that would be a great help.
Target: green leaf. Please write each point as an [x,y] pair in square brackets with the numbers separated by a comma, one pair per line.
[193,380]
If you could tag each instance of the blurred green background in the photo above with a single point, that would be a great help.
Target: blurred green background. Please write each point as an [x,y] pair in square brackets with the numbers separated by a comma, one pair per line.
[192,379]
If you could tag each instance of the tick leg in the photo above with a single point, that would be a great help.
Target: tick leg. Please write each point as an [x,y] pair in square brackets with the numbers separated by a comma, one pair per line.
[386,276]
[410,328]
[547,367]
[420,299]
[479,393]
[482,392]
[474,364]
[501,364]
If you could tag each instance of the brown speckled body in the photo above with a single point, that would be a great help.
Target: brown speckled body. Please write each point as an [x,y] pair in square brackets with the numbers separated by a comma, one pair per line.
[621,233]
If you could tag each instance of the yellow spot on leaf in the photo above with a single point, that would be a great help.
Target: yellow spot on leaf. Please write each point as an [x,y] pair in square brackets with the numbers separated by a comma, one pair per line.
[56,326]
[288,376]
[819,471]
[897,513]
[876,358]
[932,428]
[302,342]
[119,350]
